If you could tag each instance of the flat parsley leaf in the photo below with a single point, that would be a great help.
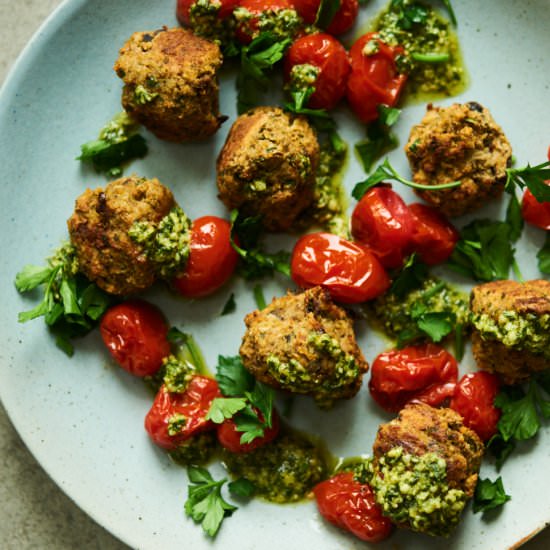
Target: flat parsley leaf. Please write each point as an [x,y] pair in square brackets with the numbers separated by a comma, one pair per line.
[410,277]
[222,408]
[230,306]
[233,379]
[205,504]
[254,263]
[489,495]
[326,12]
[242,487]
[380,139]
[532,177]
[484,251]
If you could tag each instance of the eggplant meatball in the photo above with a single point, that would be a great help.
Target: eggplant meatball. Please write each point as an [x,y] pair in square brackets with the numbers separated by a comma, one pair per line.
[425,468]
[459,142]
[128,234]
[267,166]
[171,83]
[511,323]
[304,343]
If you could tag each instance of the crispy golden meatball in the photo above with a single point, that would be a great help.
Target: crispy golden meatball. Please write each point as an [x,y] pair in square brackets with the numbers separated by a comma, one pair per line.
[511,328]
[267,166]
[459,142]
[128,234]
[425,468]
[171,83]
[304,343]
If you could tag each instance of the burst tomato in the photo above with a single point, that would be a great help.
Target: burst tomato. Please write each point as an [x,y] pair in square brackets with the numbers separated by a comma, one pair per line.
[135,335]
[383,222]
[349,271]
[433,237]
[342,21]
[212,259]
[329,56]
[424,372]
[535,212]
[473,399]
[175,417]
[352,506]
[374,79]
[230,438]
[248,29]
[183,9]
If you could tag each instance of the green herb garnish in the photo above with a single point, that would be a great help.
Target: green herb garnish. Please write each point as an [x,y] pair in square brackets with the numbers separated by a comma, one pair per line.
[205,504]
[543,256]
[489,495]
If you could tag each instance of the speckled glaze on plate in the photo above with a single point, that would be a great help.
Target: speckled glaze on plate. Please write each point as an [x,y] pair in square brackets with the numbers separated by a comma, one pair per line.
[82,417]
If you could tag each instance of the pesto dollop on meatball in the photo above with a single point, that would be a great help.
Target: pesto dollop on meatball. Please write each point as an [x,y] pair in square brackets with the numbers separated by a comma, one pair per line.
[129,234]
[267,166]
[171,83]
[511,322]
[425,468]
[304,343]
[459,142]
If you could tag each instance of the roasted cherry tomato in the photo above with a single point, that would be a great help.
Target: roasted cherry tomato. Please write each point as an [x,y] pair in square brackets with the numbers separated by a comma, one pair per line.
[325,53]
[349,271]
[425,372]
[248,29]
[374,79]
[433,237]
[212,259]
[230,438]
[535,212]
[342,21]
[473,399]
[352,506]
[183,9]
[135,334]
[383,222]
[175,417]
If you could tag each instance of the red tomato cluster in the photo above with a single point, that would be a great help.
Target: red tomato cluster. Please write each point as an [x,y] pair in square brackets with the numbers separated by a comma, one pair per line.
[474,398]
[392,230]
[351,505]
[425,372]
[135,335]
[349,271]
[190,408]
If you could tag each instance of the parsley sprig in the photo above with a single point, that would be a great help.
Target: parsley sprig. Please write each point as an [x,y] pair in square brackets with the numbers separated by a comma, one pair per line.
[386,171]
[255,263]
[257,61]
[248,402]
[380,139]
[71,305]
[205,503]
[532,177]
[521,416]
[543,256]
[489,495]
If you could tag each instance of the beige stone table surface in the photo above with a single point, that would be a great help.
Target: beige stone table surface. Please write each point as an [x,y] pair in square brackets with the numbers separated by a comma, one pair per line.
[34,512]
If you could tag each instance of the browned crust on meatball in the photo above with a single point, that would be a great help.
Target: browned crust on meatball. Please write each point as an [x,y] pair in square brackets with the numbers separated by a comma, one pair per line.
[99,227]
[513,366]
[529,297]
[421,429]
[283,330]
[267,166]
[459,142]
[181,69]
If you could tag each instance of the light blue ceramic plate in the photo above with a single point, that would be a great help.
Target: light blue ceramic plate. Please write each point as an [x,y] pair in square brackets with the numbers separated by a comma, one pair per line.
[82,417]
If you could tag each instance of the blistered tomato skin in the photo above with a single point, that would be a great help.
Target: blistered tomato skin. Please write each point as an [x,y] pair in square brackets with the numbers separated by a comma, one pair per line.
[230,438]
[425,372]
[383,222]
[473,399]
[175,417]
[342,21]
[434,237]
[534,212]
[349,271]
[329,56]
[351,505]
[374,79]
[135,335]
[183,8]
[212,259]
